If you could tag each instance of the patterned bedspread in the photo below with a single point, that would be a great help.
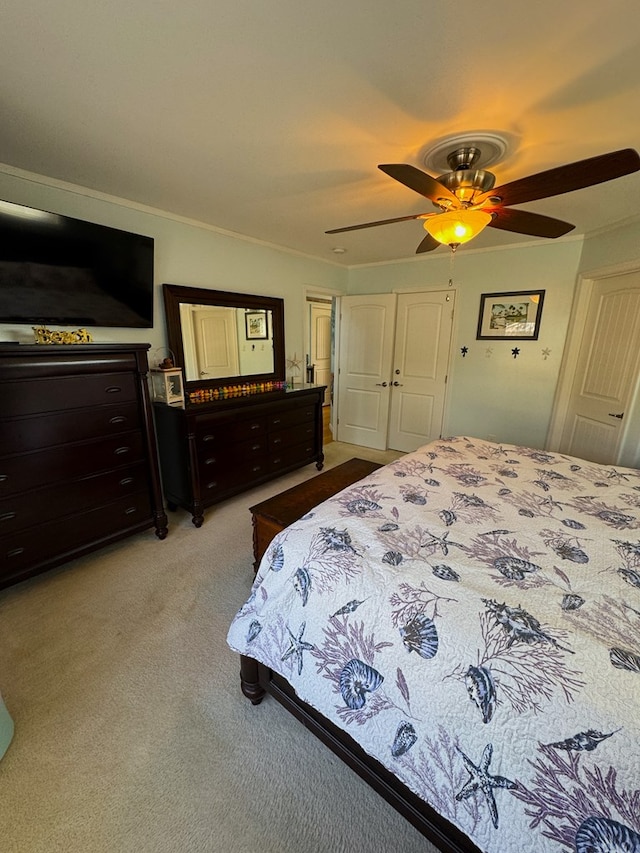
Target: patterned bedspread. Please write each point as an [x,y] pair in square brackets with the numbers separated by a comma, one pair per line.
[470,614]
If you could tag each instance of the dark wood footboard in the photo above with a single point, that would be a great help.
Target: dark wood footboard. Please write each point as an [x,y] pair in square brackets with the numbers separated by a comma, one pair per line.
[257,680]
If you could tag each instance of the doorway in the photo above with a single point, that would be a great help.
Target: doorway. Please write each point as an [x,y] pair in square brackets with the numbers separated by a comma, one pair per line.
[601,368]
[320,343]
[319,357]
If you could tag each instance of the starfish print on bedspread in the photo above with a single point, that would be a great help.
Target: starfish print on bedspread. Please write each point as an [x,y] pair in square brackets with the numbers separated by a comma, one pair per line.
[481,780]
[297,646]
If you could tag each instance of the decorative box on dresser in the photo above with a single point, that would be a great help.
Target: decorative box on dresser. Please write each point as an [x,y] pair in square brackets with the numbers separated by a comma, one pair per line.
[78,454]
[210,451]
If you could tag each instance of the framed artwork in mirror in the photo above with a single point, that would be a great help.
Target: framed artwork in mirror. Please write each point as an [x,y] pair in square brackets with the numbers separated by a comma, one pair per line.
[512,315]
[256,326]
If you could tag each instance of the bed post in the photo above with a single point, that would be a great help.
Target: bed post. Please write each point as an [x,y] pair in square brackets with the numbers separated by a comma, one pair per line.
[250,681]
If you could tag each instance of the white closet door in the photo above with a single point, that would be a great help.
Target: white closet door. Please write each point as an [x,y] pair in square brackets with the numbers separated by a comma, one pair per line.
[607,371]
[216,338]
[420,364]
[364,377]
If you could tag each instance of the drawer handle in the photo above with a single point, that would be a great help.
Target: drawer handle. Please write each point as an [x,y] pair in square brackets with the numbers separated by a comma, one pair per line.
[120,451]
[126,481]
[276,421]
[255,426]
[213,485]
[117,419]
[3,478]
[208,437]
[277,441]
[130,510]
[256,447]
[277,460]
[210,461]
[113,389]
[7,516]
[256,468]
[16,552]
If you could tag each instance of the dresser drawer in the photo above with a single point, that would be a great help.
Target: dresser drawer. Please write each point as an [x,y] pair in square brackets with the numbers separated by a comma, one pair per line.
[22,472]
[226,432]
[221,457]
[62,538]
[292,435]
[27,508]
[290,416]
[243,471]
[59,393]
[39,431]
[290,455]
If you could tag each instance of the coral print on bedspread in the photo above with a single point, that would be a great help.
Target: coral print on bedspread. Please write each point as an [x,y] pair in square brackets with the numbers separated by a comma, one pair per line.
[470,614]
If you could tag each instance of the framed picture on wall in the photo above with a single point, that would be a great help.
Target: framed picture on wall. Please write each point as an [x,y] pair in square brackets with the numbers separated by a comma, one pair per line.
[256,325]
[514,315]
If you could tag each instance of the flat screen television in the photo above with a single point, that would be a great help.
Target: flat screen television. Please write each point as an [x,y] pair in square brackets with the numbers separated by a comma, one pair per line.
[56,270]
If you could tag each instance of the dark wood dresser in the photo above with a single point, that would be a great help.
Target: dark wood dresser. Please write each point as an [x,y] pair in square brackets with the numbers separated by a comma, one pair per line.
[78,455]
[210,451]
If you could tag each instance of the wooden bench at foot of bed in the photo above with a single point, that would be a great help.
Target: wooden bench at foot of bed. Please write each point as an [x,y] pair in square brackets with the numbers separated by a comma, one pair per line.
[276,513]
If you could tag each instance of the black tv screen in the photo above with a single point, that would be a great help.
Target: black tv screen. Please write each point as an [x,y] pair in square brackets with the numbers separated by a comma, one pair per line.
[56,270]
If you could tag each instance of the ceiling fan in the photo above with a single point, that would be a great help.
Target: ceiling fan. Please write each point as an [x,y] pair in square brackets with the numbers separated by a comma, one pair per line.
[469,202]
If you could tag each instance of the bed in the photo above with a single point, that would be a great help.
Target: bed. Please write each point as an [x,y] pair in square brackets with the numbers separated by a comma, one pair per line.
[462,627]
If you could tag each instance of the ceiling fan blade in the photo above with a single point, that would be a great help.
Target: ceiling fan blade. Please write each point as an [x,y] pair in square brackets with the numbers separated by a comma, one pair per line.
[524,222]
[372,224]
[419,181]
[566,179]
[428,244]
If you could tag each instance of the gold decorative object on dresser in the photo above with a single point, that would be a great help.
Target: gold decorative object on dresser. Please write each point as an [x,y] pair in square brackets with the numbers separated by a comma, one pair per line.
[240,424]
[78,455]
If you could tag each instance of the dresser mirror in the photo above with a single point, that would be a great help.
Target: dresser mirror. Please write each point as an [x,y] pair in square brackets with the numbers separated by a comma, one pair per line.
[221,338]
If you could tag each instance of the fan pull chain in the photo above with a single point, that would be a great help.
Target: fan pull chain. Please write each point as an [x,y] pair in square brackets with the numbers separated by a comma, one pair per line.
[452,259]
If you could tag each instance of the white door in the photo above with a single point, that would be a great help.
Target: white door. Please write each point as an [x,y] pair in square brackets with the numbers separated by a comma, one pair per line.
[420,363]
[364,374]
[216,339]
[320,343]
[607,370]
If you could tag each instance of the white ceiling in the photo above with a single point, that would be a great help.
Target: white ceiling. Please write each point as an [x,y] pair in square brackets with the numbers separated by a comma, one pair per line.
[268,117]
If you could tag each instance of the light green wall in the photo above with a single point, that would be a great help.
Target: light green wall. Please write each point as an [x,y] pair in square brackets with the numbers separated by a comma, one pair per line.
[186,254]
[494,394]
[611,248]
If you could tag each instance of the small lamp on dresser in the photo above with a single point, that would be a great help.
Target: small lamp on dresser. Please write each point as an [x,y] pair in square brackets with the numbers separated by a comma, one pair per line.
[168,386]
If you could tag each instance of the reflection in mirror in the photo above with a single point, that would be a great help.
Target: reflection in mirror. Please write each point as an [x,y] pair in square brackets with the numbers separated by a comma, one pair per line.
[219,341]
[222,338]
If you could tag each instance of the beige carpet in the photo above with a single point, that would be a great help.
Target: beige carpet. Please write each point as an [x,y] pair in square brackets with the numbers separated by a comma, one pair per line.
[131,731]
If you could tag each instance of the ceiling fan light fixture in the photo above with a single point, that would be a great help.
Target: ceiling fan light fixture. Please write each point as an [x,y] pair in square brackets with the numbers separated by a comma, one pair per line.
[457,226]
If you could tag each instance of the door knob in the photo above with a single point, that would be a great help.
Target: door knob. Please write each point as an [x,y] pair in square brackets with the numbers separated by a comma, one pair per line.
[620,415]
[384,384]
[397,384]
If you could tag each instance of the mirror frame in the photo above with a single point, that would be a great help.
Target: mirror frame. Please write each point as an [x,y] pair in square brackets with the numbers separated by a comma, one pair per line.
[174,294]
